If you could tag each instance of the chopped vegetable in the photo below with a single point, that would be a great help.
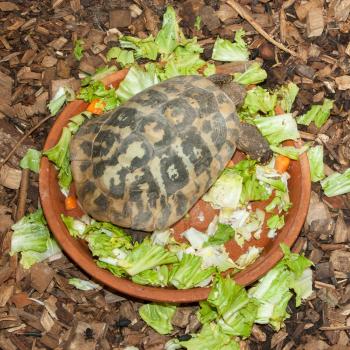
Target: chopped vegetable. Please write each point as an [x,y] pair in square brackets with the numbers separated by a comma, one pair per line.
[144,48]
[188,273]
[75,227]
[115,270]
[158,316]
[223,234]
[210,337]
[124,57]
[198,22]
[225,50]
[286,95]
[83,284]
[275,222]
[336,184]
[96,106]
[158,276]
[63,95]
[31,238]
[315,155]
[146,256]
[282,163]
[288,151]
[278,128]
[206,313]
[135,81]
[226,191]
[31,160]
[99,74]
[317,114]
[248,257]
[253,75]
[70,202]
[78,49]
[210,69]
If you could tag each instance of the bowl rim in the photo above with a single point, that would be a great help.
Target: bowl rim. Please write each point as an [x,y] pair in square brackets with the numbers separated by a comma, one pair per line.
[126,286]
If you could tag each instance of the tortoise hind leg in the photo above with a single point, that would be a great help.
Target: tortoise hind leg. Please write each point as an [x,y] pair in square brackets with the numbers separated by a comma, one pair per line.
[253,143]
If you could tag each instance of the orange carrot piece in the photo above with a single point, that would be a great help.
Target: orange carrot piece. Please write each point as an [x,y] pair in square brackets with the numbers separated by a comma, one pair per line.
[230,163]
[70,203]
[279,110]
[282,163]
[96,106]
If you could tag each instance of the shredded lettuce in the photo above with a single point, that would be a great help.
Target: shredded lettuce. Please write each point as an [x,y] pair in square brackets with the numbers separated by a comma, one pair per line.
[146,256]
[99,74]
[83,284]
[286,96]
[278,128]
[158,316]
[336,184]
[225,50]
[317,114]
[188,273]
[63,95]
[289,151]
[31,160]
[31,238]
[248,257]
[198,22]
[78,49]
[253,75]
[223,234]
[144,48]
[75,227]
[315,155]
[206,313]
[226,191]
[157,276]
[135,81]
[115,270]
[275,222]
[124,57]
[210,69]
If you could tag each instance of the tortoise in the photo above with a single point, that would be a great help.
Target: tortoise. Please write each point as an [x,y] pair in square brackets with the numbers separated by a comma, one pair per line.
[144,165]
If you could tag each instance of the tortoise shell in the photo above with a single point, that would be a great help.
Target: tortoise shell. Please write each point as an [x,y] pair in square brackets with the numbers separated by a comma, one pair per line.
[146,163]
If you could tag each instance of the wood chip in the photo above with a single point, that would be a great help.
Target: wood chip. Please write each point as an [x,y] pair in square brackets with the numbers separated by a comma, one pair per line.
[340,260]
[25,74]
[8,6]
[340,9]
[10,177]
[49,61]
[314,22]
[343,82]
[6,292]
[58,43]
[119,18]
[21,300]
[303,9]
[40,276]
[6,84]
[46,320]
[17,23]
[342,231]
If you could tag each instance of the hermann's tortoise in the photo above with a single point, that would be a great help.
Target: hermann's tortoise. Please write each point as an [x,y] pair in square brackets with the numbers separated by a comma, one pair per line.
[146,163]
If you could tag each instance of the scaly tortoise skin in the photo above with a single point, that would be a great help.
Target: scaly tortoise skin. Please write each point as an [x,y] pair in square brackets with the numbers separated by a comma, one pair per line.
[146,163]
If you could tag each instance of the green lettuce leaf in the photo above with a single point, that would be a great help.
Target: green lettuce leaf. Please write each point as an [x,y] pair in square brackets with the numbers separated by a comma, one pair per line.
[315,155]
[206,313]
[336,184]
[158,276]
[275,222]
[225,50]
[253,75]
[286,96]
[83,284]
[210,337]
[317,114]
[135,81]
[188,272]
[158,316]
[198,23]
[75,227]
[124,57]
[78,49]
[290,151]
[278,128]
[223,234]
[99,74]
[226,191]
[63,95]
[115,270]
[144,48]
[146,256]
[303,286]
[31,160]
[209,70]
[248,257]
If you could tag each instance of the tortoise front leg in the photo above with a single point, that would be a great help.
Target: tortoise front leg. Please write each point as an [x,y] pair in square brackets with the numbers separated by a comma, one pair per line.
[251,142]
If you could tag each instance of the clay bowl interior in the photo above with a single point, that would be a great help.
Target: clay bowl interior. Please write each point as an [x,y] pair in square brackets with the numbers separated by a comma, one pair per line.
[52,201]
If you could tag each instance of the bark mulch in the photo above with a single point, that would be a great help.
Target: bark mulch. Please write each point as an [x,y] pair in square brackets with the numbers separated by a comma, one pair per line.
[38,308]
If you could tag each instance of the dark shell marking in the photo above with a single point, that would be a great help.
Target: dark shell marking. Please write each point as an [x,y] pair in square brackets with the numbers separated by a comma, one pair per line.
[145,164]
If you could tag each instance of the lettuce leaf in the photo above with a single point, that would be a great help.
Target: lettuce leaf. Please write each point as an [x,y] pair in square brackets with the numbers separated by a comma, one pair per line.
[317,114]
[63,95]
[75,227]
[115,270]
[146,256]
[253,75]
[135,81]
[158,316]
[275,222]
[225,50]
[188,272]
[277,128]
[78,49]
[83,284]
[315,156]
[206,313]
[99,74]
[226,191]
[158,277]
[124,57]
[223,234]
[290,151]
[144,48]
[31,160]
[286,96]
[336,184]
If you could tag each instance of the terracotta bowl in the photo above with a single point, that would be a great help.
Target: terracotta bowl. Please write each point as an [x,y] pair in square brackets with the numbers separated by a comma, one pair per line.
[52,202]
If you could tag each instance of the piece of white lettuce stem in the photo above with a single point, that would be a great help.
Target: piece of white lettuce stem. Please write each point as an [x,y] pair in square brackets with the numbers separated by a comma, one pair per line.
[83,284]
[158,316]
[225,50]
[31,238]
[336,184]
[315,156]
